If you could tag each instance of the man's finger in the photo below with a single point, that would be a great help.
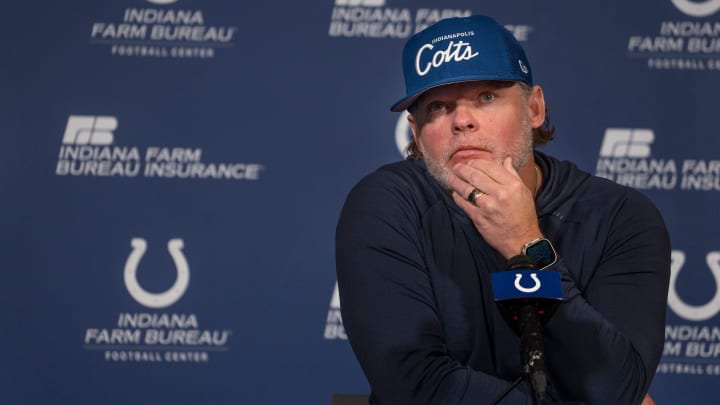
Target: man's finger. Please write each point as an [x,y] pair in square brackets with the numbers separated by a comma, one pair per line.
[508,165]
[497,172]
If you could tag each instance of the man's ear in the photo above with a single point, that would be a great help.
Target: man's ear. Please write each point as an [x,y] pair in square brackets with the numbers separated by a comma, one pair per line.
[536,107]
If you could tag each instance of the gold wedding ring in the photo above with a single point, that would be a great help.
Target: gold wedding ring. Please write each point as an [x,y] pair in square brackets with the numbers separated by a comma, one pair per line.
[474,194]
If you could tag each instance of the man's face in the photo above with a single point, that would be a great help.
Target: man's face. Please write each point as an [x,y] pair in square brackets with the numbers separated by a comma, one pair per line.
[475,120]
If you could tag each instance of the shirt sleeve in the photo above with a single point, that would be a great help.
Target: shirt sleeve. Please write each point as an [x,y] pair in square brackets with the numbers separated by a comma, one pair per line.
[605,340]
[389,312]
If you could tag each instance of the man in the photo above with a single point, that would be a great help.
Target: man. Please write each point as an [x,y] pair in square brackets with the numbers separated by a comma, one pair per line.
[418,240]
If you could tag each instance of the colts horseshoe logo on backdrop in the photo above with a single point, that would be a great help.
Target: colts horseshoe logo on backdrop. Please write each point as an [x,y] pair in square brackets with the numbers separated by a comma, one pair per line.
[532,289]
[693,312]
[159,300]
[698,9]
[403,135]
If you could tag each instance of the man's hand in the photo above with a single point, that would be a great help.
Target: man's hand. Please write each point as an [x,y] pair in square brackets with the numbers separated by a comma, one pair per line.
[505,213]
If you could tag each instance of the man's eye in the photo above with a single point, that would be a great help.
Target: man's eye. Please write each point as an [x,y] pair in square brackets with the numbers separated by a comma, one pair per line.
[487,97]
[435,107]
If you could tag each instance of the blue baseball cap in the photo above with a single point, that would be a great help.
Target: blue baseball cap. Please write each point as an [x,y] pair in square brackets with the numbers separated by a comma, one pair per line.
[457,50]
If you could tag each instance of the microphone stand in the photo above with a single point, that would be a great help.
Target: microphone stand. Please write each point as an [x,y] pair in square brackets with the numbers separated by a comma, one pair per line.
[527,322]
[532,353]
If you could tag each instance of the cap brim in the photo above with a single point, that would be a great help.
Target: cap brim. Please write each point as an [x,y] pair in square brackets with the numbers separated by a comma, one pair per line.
[405,102]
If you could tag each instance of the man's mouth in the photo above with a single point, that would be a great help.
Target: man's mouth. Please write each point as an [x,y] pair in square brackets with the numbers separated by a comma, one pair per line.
[465,153]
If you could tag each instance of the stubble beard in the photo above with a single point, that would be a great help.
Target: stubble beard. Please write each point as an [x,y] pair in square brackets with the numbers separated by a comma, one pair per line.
[519,152]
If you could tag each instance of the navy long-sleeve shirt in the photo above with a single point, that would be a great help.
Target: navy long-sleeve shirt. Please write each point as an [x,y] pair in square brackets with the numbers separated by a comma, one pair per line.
[417,304]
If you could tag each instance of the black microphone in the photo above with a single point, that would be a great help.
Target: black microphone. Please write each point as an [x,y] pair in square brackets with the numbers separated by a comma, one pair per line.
[527,298]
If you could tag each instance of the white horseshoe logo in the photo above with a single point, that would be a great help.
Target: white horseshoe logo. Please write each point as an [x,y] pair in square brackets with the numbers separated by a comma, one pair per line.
[695,9]
[402,134]
[692,312]
[164,299]
[532,289]
[335,301]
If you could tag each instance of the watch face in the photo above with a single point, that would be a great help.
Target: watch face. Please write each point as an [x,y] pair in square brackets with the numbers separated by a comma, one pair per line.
[542,253]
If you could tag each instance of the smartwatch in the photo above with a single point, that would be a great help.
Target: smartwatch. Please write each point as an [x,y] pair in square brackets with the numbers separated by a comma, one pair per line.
[541,251]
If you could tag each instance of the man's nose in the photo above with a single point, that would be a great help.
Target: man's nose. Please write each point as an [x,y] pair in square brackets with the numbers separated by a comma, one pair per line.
[463,119]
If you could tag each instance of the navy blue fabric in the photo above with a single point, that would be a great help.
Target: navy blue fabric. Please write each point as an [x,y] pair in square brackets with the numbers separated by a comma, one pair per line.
[414,280]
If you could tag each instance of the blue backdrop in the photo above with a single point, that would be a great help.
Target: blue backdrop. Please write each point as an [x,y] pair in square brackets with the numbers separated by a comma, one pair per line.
[172,172]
